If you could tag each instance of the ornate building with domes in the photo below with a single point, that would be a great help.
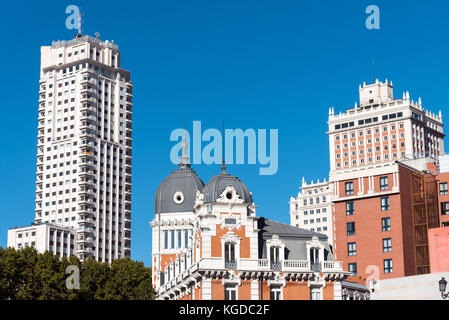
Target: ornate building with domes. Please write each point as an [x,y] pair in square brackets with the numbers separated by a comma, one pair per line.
[208,243]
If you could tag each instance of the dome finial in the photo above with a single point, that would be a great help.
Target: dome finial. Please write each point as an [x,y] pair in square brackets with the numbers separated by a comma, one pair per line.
[185,160]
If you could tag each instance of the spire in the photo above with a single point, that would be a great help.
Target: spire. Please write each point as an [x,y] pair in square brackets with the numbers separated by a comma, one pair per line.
[185,160]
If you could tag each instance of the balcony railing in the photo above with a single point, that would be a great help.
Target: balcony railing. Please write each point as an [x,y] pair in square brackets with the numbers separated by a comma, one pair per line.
[315,266]
[231,265]
[216,263]
[276,265]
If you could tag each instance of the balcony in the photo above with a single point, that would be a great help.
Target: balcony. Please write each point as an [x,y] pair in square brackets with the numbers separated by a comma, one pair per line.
[87,108]
[88,118]
[86,125]
[86,183]
[276,265]
[86,154]
[266,265]
[85,222]
[315,266]
[87,173]
[85,230]
[84,240]
[87,98]
[85,212]
[230,265]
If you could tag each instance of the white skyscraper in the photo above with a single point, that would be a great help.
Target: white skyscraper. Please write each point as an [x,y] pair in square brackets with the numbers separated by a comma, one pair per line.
[84,152]
[312,208]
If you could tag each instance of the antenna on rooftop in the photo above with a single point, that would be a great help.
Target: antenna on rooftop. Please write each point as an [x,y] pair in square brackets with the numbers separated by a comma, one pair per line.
[79,26]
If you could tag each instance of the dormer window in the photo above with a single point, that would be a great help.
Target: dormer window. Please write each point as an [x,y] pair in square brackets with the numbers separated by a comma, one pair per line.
[275,252]
[275,260]
[315,254]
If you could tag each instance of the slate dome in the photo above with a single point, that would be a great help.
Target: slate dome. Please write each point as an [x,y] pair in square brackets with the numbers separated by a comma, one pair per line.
[177,193]
[215,187]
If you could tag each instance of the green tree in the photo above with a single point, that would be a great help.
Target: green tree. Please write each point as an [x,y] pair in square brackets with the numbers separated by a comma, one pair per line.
[28,275]
[129,280]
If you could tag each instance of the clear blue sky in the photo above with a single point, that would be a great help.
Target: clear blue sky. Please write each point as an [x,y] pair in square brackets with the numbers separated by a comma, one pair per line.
[254,64]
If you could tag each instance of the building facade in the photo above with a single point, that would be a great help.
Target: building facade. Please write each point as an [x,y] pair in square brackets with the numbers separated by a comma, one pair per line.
[381,129]
[382,217]
[44,237]
[385,198]
[442,172]
[312,208]
[208,243]
[84,147]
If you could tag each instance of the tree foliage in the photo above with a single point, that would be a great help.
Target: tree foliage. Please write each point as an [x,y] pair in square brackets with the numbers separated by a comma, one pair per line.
[28,275]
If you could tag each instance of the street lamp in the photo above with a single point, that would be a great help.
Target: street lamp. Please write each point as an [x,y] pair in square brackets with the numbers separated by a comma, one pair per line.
[443,284]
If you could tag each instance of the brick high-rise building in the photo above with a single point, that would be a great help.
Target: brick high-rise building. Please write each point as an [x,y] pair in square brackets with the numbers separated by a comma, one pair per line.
[385,200]
[84,152]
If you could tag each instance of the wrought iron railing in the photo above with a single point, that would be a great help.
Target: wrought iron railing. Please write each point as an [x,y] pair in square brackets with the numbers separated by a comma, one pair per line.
[275,265]
[229,264]
[315,266]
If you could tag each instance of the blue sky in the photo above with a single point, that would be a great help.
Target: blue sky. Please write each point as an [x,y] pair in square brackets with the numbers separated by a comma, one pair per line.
[254,64]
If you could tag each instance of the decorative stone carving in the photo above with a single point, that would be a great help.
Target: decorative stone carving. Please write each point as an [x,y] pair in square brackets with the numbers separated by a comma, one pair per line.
[231,278]
[230,196]
[225,221]
[199,200]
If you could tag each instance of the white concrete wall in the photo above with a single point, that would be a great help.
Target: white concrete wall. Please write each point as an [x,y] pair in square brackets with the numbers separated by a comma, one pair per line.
[421,287]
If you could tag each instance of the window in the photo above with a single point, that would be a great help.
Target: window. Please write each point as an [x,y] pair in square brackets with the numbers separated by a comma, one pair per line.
[387,244]
[315,293]
[349,188]
[443,189]
[444,208]
[275,293]
[165,240]
[352,249]
[186,238]
[386,224]
[385,203]
[230,262]
[231,292]
[179,239]
[172,242]
[350,227]
[349,208]
[388,266]
[352,267]
[274,254]
[383,183]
